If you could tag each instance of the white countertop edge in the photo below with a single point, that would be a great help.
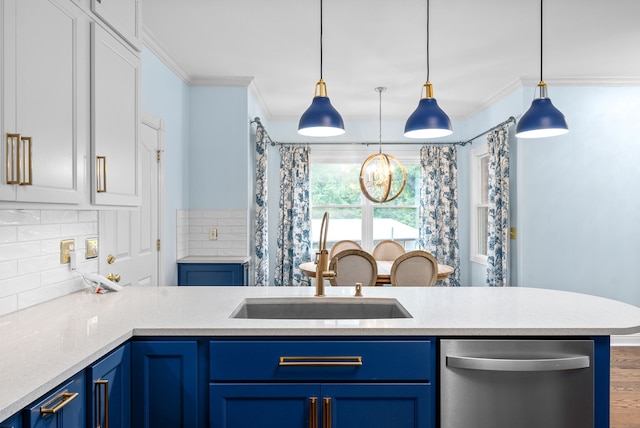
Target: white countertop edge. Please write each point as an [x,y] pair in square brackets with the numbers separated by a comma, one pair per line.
[214,259]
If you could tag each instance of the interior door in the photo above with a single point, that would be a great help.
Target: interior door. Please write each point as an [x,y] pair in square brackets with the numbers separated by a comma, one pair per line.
[132,235]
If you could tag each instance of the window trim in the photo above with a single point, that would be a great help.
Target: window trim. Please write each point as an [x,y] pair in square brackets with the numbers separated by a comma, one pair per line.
[475,195]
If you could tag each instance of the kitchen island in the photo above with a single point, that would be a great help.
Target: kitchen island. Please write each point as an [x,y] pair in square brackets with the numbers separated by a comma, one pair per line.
[48,343]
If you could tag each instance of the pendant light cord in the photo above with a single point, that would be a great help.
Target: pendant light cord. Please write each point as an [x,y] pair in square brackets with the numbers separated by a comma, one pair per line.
[380,89]
[428,40]
[320,39]
[541,19]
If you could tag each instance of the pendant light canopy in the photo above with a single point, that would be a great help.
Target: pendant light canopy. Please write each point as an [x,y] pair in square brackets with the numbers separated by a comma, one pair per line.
[542,119]
[321,119]
[382,176]
[428,120]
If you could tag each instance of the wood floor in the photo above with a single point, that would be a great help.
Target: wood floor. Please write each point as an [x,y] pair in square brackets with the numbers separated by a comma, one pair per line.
[625,387]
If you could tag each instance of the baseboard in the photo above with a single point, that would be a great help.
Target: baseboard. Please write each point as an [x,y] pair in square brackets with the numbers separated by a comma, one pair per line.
[626,340]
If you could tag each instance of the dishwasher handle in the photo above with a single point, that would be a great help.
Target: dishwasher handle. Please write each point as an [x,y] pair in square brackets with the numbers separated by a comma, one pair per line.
[519,365]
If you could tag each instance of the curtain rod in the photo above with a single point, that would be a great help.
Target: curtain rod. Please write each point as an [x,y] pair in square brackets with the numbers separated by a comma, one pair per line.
[511,119]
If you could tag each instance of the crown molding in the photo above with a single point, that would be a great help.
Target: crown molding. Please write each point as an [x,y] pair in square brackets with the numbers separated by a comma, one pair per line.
[149,40]
[506,90]
[243,81]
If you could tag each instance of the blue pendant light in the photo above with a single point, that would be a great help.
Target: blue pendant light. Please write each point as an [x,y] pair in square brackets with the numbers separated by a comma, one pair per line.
[428,120]
[542,119]
[321,119]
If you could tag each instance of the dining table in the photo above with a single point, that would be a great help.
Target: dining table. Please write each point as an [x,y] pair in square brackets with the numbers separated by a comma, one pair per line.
[384,271]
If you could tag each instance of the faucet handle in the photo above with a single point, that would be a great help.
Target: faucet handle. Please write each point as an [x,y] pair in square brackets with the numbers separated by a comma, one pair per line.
[358,289]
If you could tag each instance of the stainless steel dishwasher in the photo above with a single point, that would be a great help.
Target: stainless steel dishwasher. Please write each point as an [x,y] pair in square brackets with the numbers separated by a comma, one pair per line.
[516,384]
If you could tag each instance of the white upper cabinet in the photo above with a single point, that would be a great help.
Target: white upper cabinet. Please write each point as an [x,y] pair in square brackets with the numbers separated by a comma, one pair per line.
[114,120]
[123,16]
[44,83]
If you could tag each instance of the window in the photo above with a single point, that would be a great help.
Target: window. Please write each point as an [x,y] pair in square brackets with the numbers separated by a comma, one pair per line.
[479,204]
[335,188]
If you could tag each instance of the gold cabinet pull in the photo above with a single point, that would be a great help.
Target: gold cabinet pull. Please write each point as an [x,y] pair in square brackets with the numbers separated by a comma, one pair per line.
[321,361]
[313,412]
[25,167]
[61,400]
[326,412]
[101,405]
[111,258]
[12,156]
[101,174]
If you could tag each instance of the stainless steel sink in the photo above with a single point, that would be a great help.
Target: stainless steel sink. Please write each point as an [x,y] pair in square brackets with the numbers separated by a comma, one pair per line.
[320,308]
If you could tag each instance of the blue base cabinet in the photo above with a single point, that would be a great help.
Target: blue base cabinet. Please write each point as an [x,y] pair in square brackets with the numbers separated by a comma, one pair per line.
[212,274]
[109,383]
[62,408]
[165,383]
[306,405]
[347,383]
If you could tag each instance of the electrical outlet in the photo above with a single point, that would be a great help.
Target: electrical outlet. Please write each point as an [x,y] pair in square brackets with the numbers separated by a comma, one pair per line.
[213,234]
[66,247]
[91,248]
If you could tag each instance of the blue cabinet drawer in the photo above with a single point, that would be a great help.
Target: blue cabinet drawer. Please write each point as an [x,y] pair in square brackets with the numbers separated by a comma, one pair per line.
[322,360]
[212,274]
[64,407]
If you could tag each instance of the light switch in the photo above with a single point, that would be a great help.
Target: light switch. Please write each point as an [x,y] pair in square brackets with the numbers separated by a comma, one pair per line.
[213,234]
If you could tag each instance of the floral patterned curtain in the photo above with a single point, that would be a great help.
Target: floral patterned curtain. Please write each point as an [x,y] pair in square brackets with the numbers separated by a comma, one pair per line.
[498,218]
[261,256]
[294,225]
[438,213]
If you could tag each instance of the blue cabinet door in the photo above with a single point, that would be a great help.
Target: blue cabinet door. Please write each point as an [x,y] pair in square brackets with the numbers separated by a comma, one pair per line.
[282,405]
[62,408]
[263,405]
[212,274]
[164,384]
[379,405]
[110,388]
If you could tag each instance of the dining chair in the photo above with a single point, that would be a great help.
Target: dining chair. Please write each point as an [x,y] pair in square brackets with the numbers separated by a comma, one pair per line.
[388,250]
[345,244]
[414,268]
[352,266]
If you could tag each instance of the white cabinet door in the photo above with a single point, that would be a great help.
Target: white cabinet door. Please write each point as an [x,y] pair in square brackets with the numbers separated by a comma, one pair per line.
[45,96]
[114,120]
[123,16]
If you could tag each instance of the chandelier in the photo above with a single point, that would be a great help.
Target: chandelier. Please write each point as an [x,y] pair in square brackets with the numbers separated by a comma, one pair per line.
[382,176]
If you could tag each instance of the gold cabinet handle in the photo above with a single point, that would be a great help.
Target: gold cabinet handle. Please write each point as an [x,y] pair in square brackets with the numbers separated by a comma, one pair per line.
[111,258]
[25,170]
[61,400]
[115,277]
[101,384]
[12,156]
[321,361]
[313,412]
[101,174]
[326,412]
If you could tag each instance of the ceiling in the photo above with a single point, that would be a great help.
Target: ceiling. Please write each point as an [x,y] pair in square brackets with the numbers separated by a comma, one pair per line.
[479,49]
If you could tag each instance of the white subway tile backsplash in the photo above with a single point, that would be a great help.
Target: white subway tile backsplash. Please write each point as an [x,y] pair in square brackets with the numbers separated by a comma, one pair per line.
[30,269]
[58,216]
[19,217]
[232,233]
[38,232]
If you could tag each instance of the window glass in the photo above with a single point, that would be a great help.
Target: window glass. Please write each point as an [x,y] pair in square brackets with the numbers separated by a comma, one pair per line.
[335,188]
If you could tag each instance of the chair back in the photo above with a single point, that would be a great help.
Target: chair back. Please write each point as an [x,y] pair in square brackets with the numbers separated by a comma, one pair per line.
[414,268]
[343,245]
[388,250]
[353,266]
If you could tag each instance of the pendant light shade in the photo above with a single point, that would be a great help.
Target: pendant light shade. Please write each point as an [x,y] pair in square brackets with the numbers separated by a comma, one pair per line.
[542,119]
[428,120]
[321,119]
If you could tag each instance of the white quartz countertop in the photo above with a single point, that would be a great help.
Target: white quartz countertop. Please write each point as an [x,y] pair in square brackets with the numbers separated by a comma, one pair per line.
[45,344]
[214,259]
